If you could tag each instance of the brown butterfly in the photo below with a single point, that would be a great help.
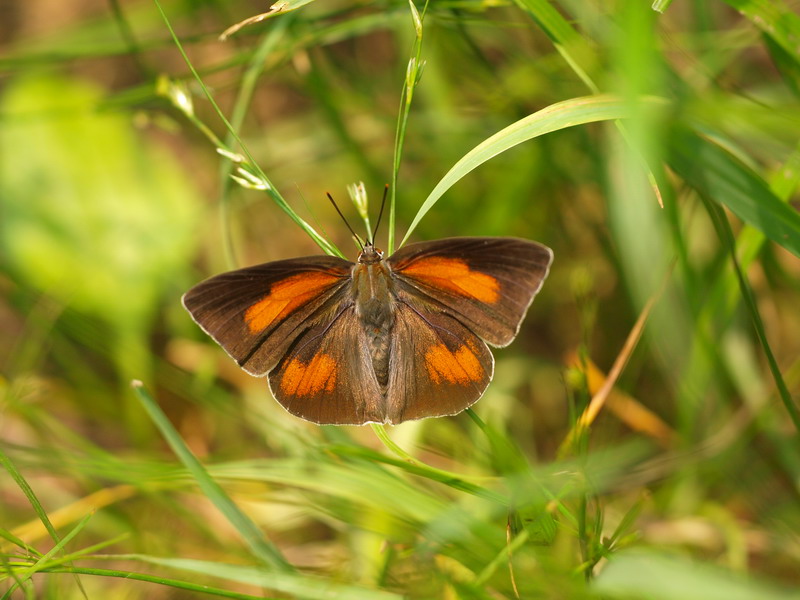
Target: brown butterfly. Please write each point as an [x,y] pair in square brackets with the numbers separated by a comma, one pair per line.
[381,340]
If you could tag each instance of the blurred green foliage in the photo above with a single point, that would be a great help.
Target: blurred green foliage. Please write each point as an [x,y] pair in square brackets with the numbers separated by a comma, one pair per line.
[95,218]
[646,147]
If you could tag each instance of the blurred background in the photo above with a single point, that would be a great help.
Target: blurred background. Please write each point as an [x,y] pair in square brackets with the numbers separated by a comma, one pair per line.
[684,483]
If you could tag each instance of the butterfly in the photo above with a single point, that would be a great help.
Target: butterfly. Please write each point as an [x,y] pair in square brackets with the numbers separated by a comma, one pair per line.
[381,340]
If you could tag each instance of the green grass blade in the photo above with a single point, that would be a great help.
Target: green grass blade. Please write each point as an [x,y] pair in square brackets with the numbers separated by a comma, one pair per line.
[6,463]
[43,560]
[416,467]
[726,234]
[11,538]
[569,43]
[776,21]
[413,74]
[657,576]
[269,188]
[724,296]
[249,80]
[660,5]
[576,111]
[165,581]
[718,175]
[297,586]
[250,532]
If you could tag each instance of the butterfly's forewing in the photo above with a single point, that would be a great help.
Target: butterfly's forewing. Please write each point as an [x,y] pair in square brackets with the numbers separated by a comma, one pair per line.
[486,283]
[256,313]
[327,375]
[438,366]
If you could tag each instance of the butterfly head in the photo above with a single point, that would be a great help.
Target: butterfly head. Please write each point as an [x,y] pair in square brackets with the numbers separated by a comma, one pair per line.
[370,255]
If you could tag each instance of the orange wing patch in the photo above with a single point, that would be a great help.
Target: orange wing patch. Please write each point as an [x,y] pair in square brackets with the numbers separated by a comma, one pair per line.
[460,367]
[454,275]
[285,297]
[318,375]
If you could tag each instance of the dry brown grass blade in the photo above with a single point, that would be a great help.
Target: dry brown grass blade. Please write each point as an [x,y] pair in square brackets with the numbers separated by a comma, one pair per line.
[626,408]
[34,530]
[605,386]
[273,10]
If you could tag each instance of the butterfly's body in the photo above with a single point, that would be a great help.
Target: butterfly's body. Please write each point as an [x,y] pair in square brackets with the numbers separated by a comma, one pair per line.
[374,299]
[380,340]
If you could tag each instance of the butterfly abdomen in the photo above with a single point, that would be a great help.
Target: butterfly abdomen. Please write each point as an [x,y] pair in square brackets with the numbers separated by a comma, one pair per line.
[375,304]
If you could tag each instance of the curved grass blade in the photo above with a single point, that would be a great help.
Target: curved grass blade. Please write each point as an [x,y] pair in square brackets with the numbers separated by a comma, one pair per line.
[297,586]
[582,58]
[255,68]
[264,182]
[726,235]
[576,111]
[6,463]
[163,581]
[776,21]
[575,50]
[718,175]
[279,8]
[252,534]
[416,467]
[44,559]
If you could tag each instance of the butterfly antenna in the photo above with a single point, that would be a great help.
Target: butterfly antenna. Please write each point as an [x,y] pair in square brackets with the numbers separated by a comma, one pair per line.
[355,235]
[380,214]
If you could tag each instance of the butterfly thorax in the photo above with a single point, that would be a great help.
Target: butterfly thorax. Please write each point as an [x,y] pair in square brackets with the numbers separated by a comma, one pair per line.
[375,305]
[370,255]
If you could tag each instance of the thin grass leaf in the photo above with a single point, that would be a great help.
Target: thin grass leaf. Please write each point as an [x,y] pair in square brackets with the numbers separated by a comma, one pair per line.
[74,511]
[628,520]
[724,296]
[503,557]
[361,483]
[279,8]
[6,463]
[775,20]
[10,571]
[250,532]
[656,576]
[719,176]
[580,56]
[165,581]
[660,5]
[250,78]
[14,540]
[599,398]
[576,111]
[567,41]
[413,74]
[416,467]
[88,550]
[270,188]
[128,36]
[786,64]
[300,586]
[44,559]
[507,457]
[726,234]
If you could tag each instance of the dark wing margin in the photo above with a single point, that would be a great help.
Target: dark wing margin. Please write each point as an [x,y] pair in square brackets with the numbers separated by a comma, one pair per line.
[487,283]
[257,312]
